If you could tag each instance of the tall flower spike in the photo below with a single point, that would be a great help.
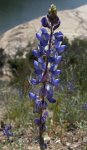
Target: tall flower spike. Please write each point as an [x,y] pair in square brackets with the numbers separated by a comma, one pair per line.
[48,57]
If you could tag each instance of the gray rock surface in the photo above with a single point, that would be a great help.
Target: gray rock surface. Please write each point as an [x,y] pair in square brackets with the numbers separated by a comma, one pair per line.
[22,37]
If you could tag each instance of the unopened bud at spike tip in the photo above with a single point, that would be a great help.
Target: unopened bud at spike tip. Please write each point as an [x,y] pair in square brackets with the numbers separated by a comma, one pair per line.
[52,10]
[52,15]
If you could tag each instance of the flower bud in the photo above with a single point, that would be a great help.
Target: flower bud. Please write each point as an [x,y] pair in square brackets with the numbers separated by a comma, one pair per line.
[44,22]
[52,15]
[52,10]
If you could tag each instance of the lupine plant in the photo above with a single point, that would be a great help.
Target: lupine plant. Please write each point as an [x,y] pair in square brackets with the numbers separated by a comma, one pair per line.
[7,131]
[48,57]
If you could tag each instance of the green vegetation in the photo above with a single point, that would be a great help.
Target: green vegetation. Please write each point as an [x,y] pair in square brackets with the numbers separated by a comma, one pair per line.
[2,57]
[71,95]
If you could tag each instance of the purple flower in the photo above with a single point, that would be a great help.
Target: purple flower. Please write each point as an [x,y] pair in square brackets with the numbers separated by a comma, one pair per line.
[41,60]
[53,67]
[49,90]
[55,82]
[60,48]
[40,104]
[36,53]
[37,121]
[44,22]
[36,64]
[55,59]
[58,36]
[33,96]
[7,131]
[44,117]
[46,65]
[51,100]
[43,37]
[35,81]
[84,106]
[56,72]
[46,113]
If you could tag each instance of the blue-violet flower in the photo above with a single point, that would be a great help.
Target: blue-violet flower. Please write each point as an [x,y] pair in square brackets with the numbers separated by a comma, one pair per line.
[48,57]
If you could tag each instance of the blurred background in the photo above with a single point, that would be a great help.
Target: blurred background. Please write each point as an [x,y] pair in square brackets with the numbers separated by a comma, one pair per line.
[14,12]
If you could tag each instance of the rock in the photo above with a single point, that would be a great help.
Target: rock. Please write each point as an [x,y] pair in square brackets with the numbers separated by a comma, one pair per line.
[68,144]
[47,139]
[74,22]
[58,141]
[85,139]
[21,39]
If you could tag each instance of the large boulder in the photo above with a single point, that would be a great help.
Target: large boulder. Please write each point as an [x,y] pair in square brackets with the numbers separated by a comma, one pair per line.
[21,39]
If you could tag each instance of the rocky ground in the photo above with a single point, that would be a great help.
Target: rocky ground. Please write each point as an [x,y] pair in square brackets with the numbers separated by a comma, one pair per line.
[70,140]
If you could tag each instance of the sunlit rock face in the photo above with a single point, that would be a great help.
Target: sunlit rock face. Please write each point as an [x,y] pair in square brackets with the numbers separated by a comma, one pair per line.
[22,37]
[74,22]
